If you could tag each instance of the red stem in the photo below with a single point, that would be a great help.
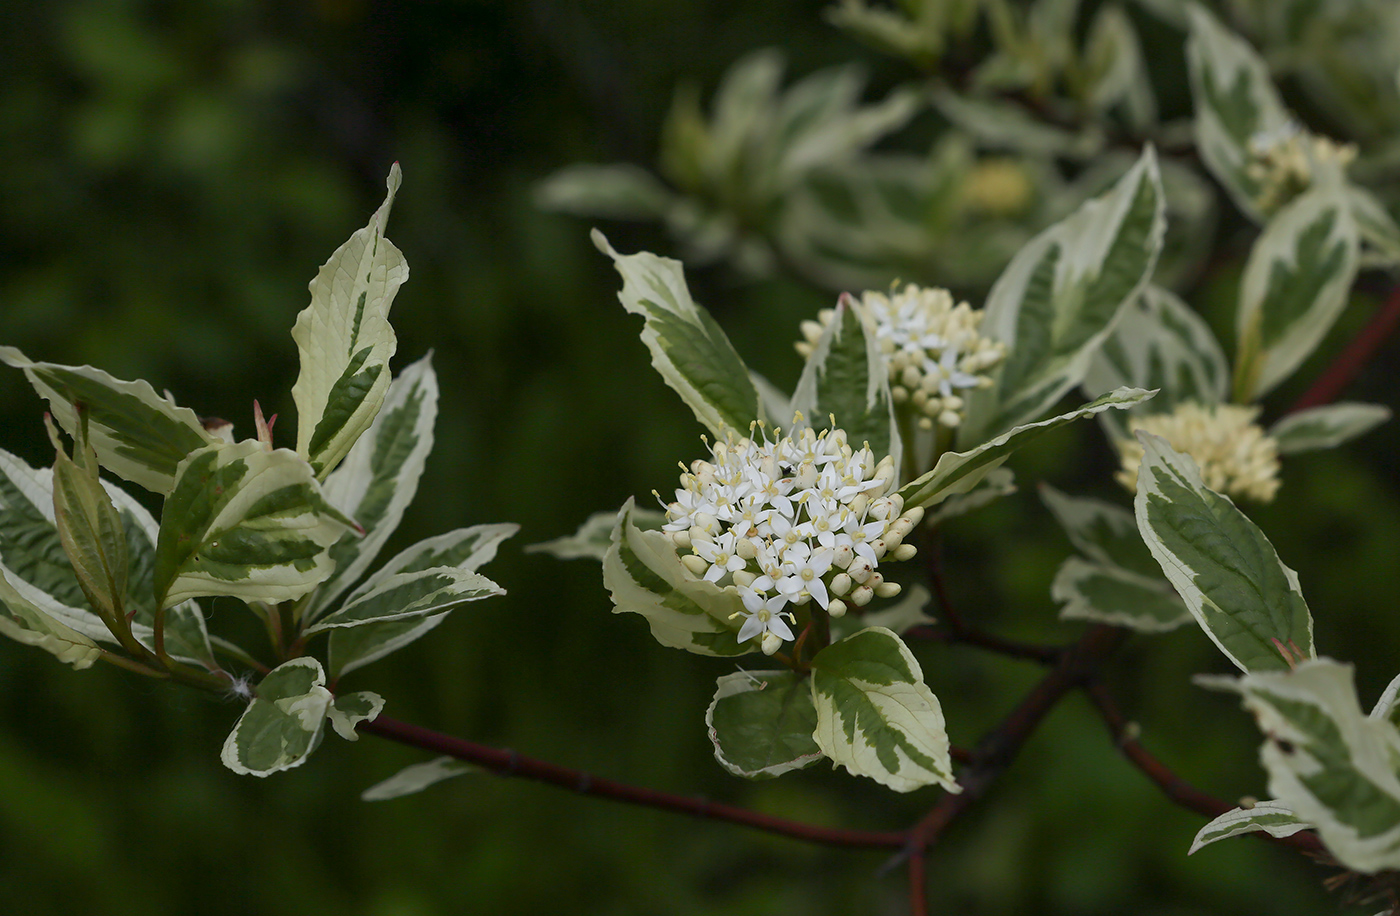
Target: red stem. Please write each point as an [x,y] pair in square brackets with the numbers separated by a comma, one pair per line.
[1349,363]
[918,884]
[509,763]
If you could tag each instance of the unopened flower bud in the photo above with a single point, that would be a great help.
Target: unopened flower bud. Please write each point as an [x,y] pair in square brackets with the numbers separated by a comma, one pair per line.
[697,565]
[744,578]
[837,608]
[899,394]
[843,556]
[860,569]
[861,596]
[876,579]
[681,539]
[859,504]
[841,584]
[746,549]
[888,589]
[904,552]
[878,545]
[914,515]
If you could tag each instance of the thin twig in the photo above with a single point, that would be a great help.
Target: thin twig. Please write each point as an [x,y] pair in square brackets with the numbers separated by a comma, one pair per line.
[1360,351]
[918,884]
[508,763]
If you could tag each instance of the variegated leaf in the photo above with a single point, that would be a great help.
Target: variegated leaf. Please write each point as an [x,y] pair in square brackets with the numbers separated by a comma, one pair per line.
[1159,342]
[24,622]
[379,477]
[1330,764]
[345,340]
[761,723]
[687,347]
[350,709]
[416,778]
[903,615]
[1326,427]
[1236,102]
[1296,282]
[875,715]
[354,647]
[284,722]
[610,191]
[594,536]
[246,522]
[90,528]
[1220,563]
[1386,706]
[137,434]
[422,593]
[997,483]
[846,376]
[959,472]
[1274,818]
[1007,126]
[1101,531]
[1060,296]
[1109,594]
[643,575]
[1379,234]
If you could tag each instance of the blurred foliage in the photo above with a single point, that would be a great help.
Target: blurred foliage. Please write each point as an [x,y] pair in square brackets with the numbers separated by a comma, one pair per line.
[173,175]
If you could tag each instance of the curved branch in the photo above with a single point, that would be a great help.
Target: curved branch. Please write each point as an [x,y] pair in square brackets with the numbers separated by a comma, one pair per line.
[509,763]
[1349,363]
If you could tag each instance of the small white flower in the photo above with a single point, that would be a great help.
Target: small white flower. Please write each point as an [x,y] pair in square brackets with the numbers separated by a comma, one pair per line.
[764,616]
[721,554]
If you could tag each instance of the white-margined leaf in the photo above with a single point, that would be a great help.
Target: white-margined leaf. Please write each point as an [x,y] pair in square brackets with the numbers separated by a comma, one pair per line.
[761,723]
[422,593]
[1060,296]
[1296,282]
[416,778]
[379,477]
[875,715]
[847,376]
[610,191]
[90,528]
[959,472]
[1379,234]
[1235,102]
[1109,594]
[997,483]
[594,536]
[137,434]
[345,340]
[643,575]
[246,522]
[1159,342]
[1330,764]
[1386,706]
[1113,66]
[350,709]
[284,722]
[354,647]
[1102,532]
[24,622]
[1272,817]
[1006,126]
[1326,427]
[1220,563]
[688,349]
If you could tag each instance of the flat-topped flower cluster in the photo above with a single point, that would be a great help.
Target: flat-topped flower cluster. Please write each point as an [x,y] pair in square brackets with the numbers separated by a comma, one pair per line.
[789,520]
[933,347]
[1236,456]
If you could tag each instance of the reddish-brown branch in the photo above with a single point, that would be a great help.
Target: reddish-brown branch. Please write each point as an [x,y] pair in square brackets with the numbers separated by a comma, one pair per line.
[508,763]
[918,884]
[1353,359]
[1173,786]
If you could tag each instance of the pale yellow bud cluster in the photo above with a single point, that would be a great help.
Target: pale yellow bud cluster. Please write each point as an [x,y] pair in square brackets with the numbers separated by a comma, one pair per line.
[933,347]
[1282,163]
[1235,455]
[997,187]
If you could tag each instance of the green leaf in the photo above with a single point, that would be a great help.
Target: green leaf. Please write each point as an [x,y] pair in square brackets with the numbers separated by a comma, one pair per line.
[846,376]
[138,435]
[1332,766]
[1220,563]
[24,622]
[416,778]
[875,715]
[1109,594]
[1235,102]
[1062,293]
[643,575]
[609,191]
[687,347]
[959,472]
[245,522]
[1272,817]
[379,477]
[345,340]
[761,723]
[1159,342]
[1295,284]
[1326,427]
[350,709]
[1101,531]
[594,536]
[90,528]
[284,722]
[421,593]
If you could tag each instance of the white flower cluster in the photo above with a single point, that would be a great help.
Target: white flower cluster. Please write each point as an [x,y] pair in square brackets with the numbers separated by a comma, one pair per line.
[791,520]
[1282,162]
[1235,455]
[933,347]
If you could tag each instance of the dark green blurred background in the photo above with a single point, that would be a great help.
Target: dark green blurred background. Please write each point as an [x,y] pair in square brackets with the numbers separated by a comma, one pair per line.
[173,173]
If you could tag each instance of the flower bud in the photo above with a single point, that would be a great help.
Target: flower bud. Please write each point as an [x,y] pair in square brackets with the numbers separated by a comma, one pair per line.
[878,545]
[698,566]
[861,596]
[905,552]
[681,539]
[915,515]
[837,608]
[860,569]
[772,642]
[843,556]
[841,584]
[745,549]
[744,578]
[888,589]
